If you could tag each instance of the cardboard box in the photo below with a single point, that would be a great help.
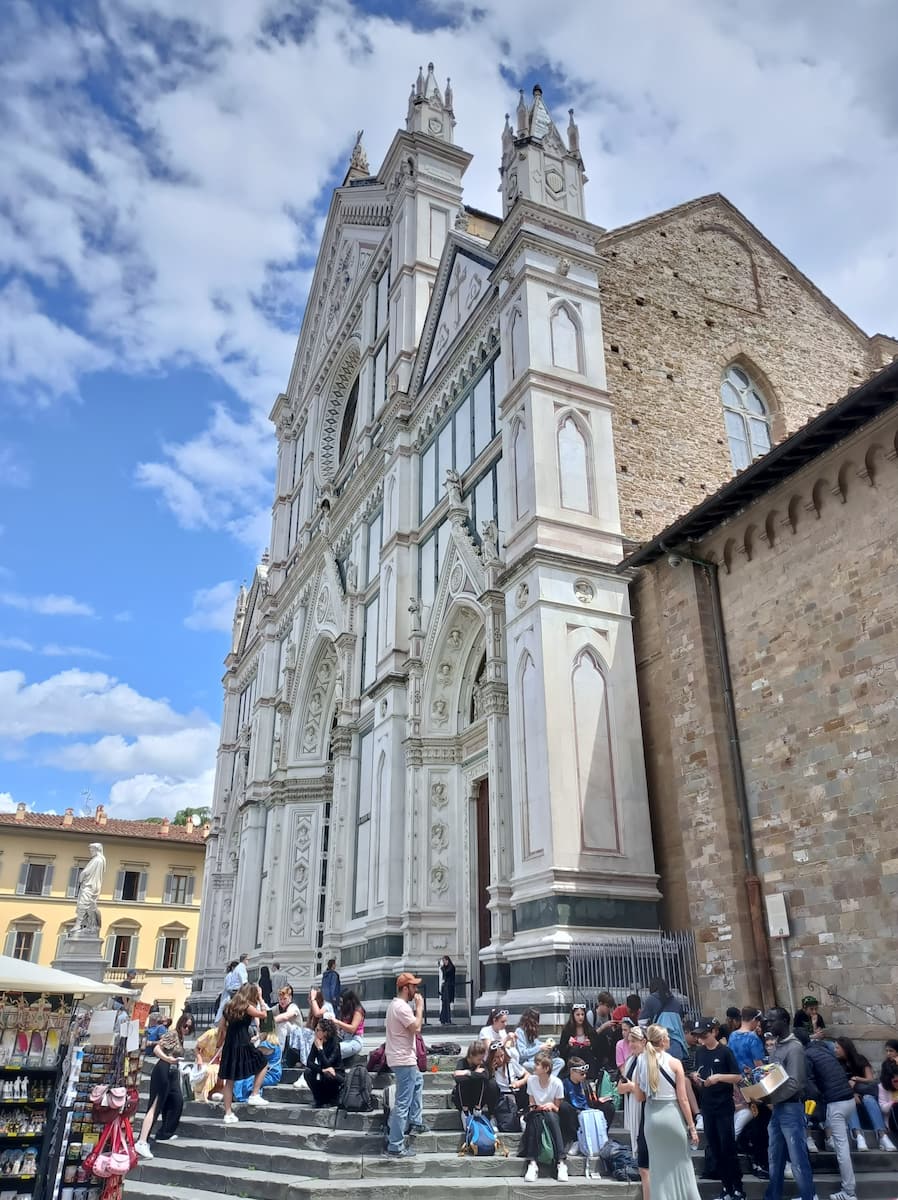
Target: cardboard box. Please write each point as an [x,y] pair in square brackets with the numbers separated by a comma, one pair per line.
[771,1081]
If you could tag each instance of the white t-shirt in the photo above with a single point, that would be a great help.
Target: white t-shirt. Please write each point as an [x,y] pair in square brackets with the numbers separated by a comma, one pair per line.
[552,1093]
[488,1034]
[294,1021]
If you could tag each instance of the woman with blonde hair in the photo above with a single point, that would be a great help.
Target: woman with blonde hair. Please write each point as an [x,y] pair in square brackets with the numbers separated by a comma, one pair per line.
[634,1111]
[239,1057]
[660,1085]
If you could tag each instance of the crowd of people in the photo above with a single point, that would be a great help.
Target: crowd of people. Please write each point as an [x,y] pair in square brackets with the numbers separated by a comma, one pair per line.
[669,1079]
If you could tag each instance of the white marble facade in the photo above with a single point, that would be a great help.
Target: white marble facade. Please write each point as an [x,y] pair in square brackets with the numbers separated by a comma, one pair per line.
[431,739]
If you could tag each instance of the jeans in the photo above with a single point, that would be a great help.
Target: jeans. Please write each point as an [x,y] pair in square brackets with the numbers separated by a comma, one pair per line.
[838,1122]
[407,1110]
[350,1046]
[873,1113]
[787,1134]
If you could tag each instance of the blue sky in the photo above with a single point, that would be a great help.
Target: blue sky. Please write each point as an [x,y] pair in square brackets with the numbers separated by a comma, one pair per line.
[163,189]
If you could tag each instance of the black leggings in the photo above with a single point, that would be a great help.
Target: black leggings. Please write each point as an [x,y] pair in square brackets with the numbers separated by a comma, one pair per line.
[325,1089]
[165,1089]
[468,1091]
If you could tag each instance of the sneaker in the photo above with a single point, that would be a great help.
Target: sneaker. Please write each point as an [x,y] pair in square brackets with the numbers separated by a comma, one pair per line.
[861,1143]
[405,1152]
[571,1148]
[300,1083]
[230,1118]
[830,1145]
[788,1173]
[532,1173]
[417,1129]
[561,1174]
[257,1098]
[841,1196]
[886,1143]
[699,1123]
[812,1145]
[142,1150]
[760,1172]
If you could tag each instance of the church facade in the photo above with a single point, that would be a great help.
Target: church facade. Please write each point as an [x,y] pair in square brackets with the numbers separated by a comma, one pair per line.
[431,739]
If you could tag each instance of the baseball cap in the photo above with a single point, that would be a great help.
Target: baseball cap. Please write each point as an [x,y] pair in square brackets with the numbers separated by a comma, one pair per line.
[806,1000]
[406,978]
[620,1012]
[703,1025]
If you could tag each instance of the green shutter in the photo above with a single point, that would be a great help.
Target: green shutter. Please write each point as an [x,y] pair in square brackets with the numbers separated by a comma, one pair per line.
[190,889]
[110,949]
[160,950]
[142,887]
[10,944]
[35,954]
[132,953]
[169,889]
[72,890]
[48,882]
[23,879]
[119,885]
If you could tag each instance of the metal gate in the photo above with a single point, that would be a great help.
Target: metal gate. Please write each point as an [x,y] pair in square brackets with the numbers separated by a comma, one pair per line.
[624,963]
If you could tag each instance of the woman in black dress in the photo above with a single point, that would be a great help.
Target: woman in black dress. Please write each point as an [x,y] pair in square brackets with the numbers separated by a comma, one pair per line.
[265,985]
[239,1057]
[324,1066]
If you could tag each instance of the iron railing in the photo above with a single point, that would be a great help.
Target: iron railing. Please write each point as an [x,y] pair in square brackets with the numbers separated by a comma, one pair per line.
[624,963]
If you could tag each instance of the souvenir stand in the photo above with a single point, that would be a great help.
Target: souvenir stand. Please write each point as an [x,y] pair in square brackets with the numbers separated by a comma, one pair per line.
[45,1018]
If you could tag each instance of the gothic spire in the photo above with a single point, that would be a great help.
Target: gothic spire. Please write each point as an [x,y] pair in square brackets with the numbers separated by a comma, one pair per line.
[537,163]
[358,161]
[429,110]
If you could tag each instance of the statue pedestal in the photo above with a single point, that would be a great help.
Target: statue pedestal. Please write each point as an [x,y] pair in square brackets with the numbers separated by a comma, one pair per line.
[82,955]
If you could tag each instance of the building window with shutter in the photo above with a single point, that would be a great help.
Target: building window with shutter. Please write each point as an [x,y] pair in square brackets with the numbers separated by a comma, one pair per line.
[121,950]
[23,939]
[35,878]
[171,948]
[179,888]
[131,884]
[75,877]
[24,944]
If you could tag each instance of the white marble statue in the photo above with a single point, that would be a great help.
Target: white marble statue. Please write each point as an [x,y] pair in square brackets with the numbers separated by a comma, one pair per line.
[87,912]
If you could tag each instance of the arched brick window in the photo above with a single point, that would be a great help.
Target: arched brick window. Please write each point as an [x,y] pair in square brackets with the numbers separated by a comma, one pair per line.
[746,414]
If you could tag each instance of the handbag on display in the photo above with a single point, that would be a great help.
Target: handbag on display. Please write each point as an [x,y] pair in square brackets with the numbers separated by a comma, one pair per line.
[119,1156]
[107,1102]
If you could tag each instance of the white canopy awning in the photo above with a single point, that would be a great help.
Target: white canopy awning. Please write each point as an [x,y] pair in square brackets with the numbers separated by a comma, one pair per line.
[19,976]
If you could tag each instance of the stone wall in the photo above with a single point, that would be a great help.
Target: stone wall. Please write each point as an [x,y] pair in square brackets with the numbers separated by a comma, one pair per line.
[683,295]
[810,601]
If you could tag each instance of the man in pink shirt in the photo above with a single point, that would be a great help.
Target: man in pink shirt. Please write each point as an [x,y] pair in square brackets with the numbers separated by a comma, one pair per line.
[405,1016]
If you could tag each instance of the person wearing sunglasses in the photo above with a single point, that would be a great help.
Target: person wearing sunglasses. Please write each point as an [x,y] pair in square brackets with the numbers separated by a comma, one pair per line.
[528,1043]
[496,1027]
[474,1086]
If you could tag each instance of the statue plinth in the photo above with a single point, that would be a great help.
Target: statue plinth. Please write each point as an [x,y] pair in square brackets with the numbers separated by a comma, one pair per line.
[82,954]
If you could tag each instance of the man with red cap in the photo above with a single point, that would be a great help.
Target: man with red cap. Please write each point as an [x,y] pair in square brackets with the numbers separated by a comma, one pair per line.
[405,1015]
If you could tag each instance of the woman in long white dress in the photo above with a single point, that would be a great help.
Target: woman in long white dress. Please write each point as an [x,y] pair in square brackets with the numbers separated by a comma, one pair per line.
[661,1085]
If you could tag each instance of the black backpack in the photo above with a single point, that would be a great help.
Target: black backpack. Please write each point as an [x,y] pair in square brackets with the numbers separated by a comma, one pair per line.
[355,1092]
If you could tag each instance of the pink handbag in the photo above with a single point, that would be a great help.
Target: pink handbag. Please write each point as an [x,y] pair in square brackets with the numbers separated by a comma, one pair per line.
[107,1102]
[120,1157]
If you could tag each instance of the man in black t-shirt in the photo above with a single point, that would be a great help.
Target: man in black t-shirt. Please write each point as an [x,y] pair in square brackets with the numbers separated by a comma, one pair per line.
[716,1073]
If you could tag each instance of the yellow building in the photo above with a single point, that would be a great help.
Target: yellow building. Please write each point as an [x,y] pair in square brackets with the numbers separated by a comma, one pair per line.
[149,905]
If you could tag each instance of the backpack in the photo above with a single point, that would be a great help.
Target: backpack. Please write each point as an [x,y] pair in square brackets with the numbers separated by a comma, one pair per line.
[508,1119]
[546,1152]
[619,1162]
[480,1137]
[592,1132]
[355,1091]
[377,1059]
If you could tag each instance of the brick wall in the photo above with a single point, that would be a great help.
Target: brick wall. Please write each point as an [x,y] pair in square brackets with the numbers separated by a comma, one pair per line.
[811,611]
[683,296]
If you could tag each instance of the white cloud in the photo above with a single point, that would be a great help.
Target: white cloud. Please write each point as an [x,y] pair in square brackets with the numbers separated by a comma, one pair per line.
[54,650]
[213,607]
[13,472]
[123,617]
[16,643]
[180,754]
[47,606]
[7,804]
[79,702]
[184,210]
[151,795]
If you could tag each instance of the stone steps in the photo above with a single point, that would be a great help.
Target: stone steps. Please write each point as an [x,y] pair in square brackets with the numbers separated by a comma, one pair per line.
[289,1150]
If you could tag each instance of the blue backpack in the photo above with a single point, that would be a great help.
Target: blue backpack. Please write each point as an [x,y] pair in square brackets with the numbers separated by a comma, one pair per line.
[480,1137]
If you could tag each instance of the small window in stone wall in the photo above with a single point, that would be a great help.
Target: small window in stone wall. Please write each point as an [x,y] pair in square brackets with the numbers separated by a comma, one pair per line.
[747,417]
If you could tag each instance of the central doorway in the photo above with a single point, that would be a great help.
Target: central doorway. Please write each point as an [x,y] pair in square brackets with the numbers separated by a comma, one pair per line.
[484,924]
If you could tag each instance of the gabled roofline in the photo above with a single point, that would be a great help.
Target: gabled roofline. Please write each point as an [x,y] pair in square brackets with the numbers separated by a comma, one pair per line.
[715,199]
[827,429]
